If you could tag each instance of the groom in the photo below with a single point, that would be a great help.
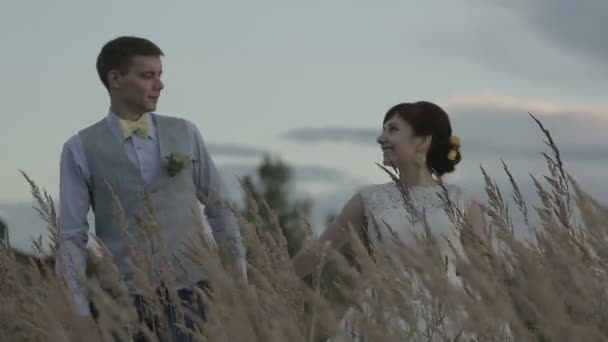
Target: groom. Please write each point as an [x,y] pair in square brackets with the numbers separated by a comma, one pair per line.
[138,154]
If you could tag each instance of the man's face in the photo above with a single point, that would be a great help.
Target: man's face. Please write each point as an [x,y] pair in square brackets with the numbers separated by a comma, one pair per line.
[139,88]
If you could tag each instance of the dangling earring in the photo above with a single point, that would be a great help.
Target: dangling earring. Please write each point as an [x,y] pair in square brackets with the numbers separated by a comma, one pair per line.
[420,159]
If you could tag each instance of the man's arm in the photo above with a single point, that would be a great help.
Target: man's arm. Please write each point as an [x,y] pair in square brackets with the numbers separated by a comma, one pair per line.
[211,192]
[74,202]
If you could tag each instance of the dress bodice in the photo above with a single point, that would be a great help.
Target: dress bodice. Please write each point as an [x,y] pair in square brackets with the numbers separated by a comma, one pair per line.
[388,216]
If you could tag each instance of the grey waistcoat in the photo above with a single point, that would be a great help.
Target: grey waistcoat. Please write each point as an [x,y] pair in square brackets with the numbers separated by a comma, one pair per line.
[173,199]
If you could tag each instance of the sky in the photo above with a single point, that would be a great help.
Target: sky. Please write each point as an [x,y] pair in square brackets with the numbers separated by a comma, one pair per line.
[309,81]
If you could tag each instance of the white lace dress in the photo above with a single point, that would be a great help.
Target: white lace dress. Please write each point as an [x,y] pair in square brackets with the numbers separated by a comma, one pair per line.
[388,217]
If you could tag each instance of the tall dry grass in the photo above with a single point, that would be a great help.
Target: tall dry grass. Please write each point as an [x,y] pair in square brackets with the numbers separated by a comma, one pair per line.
[552,287]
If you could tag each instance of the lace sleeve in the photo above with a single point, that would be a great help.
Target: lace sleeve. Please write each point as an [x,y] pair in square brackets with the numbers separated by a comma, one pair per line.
[370,205]
[367,194]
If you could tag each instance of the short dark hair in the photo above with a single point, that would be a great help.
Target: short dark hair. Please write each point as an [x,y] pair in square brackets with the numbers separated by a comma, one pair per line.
[117,54]
[428,119]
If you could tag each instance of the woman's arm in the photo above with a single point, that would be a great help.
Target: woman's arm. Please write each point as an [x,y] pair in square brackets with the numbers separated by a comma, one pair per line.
[478,221]
[475,234]
[305,261]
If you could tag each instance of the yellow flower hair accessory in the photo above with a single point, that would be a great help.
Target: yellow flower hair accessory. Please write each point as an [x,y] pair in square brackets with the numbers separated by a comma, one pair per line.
[452,155]
[454,141]
[455,144]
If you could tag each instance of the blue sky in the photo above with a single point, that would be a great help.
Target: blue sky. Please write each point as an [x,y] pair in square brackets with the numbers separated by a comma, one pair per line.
[296,77]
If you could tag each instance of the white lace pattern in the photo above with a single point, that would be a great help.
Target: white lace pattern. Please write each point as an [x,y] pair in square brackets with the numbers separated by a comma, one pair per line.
[387,208]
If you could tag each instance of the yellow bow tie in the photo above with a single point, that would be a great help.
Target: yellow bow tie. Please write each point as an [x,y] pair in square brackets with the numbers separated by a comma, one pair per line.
[140,127]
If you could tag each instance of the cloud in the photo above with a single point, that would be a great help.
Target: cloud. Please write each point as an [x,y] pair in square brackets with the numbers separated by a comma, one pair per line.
[234,150]
[536,42]
[577,26]
[331,134]
[302,173]
[505,128]
[493,102]
[315,173]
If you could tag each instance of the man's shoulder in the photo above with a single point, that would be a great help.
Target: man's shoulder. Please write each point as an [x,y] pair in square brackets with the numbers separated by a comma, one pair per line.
[191,128]
[74,142]
[175,119]
[167,117]
[170,117]
[92,126]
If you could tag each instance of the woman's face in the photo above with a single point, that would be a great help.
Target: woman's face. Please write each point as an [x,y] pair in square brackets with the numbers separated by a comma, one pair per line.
[400,146]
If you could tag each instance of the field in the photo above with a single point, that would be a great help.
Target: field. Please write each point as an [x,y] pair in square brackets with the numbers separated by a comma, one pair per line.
[549,288]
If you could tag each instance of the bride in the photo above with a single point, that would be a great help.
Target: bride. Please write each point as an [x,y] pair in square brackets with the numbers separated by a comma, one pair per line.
[416,140]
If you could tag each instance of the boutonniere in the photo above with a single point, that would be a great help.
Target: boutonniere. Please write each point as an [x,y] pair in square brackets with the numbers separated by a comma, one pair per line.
[176,163]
